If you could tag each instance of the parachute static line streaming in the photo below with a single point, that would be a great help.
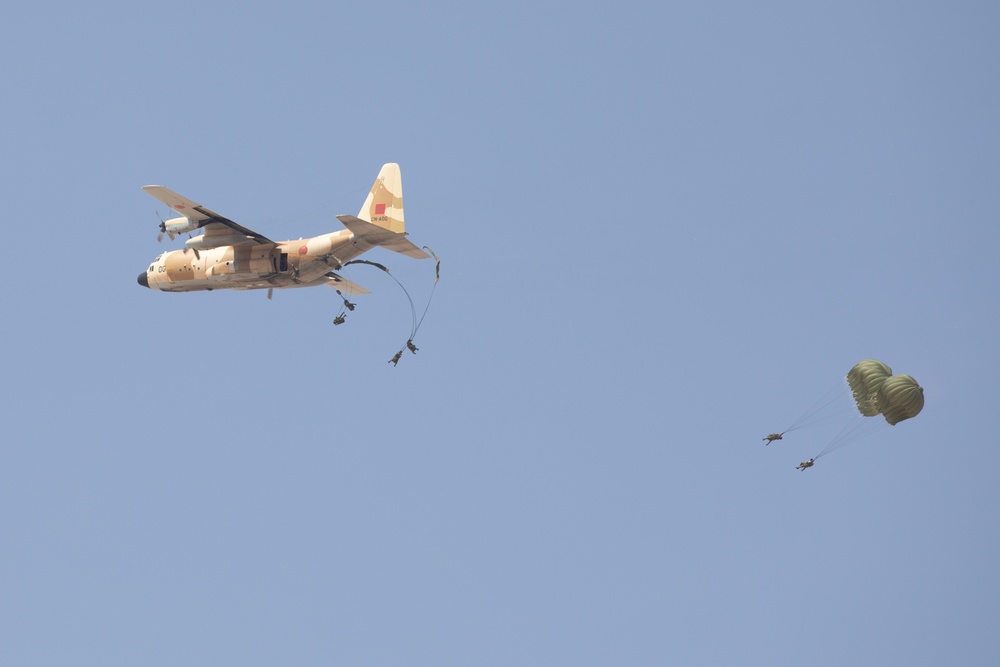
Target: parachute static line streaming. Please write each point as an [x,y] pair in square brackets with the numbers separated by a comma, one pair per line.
[414,322]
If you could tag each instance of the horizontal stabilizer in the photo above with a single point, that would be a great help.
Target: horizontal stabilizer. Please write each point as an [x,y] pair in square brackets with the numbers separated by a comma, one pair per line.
[345,286]
[378,236]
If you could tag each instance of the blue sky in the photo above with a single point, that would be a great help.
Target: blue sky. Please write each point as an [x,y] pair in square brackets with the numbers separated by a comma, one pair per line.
[665,232]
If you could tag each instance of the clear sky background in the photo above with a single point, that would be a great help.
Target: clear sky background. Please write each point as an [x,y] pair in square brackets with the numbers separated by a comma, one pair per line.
[666,229]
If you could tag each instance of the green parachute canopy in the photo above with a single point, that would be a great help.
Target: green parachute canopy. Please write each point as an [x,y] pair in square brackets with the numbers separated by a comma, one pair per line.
[900,397]
[877,391]
[866,379]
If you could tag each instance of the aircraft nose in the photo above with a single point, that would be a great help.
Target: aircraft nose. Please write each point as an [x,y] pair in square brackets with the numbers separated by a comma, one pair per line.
[143,280]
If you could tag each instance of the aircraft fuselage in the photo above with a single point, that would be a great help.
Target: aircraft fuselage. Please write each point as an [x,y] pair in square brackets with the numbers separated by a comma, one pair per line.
[279,265]
[227,255]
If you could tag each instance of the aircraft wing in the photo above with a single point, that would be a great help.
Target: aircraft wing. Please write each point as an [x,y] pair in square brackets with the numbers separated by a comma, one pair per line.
[213,223]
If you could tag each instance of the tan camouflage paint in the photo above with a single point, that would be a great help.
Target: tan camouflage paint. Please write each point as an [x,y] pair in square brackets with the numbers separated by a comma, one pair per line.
[257,266]
[384,205]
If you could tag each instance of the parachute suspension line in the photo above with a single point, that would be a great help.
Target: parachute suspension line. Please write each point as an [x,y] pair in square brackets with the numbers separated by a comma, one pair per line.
[855,430]
[831,407]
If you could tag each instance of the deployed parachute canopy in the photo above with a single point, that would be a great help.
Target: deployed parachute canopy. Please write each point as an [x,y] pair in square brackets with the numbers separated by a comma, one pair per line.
[866,379]
[877,391]
[900,397]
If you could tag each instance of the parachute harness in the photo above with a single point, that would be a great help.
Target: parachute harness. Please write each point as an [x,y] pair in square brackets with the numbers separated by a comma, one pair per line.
[342,315]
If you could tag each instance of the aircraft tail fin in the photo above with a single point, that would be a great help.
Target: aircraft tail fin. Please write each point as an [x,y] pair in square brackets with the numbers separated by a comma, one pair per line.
[380,221]
[384,205]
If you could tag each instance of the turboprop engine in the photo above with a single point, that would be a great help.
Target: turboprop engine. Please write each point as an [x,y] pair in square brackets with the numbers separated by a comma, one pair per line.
[176,226]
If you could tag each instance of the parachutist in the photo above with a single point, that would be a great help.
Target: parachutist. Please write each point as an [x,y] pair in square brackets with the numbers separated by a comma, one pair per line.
[437,267]
[806,464]
[411,347]
[395,359]
[771,438]
[348,305]
[339,319]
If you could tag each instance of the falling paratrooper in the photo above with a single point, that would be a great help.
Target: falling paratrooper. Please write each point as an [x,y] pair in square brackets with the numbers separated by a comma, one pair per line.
[875,391]
[415,323]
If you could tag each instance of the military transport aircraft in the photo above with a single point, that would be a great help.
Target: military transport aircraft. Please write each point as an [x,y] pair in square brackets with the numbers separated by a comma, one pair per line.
[230,256]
